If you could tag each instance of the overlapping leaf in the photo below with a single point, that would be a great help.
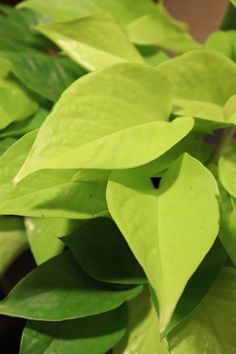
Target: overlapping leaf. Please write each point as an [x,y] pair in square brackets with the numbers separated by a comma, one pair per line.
[47,193]
[94,42]
[211,328]
[196,80]
[93,335]
[169,227]
[59,289]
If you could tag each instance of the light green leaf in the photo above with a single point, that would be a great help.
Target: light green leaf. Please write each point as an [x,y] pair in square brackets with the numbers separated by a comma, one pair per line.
[93,335]
[48,193]
[102,252]
[20,128]
[176,225]
[12,239]
[220,42]
[233,2]
[197,84]
[6,143]
[143,335]
[119,124]
[43,236]
[59,289]
[15,103]
[228,225]
[227,170]
[123,10]
[94,42]
[211,327]
[153,55]
[159,29]
[46,76]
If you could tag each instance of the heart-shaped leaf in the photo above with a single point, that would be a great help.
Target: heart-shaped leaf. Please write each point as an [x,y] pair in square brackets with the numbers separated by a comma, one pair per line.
[169,227]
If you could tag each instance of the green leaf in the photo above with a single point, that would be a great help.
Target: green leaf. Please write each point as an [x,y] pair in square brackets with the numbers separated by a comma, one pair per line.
[159,29]
[199,284]
[48,193]
[152,55]
[131,96]
[123,10]
[233,2]
[197,84]
[43,236]
[58,290]
[15,102]
[93,335]
[220,42]
[211,328]
[176,225]
[94,42]
[143,335]
[18,129]
[228,225]
[42,74]
[103,253]
[227,170]
[12,239]
[6,143]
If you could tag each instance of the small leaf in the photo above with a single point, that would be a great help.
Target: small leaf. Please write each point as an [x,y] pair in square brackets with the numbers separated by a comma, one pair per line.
[220,42]
[135,135]
[103,253]
[58,290]
[94,42]
[211,327]
[43,236]
[49,193]
[13,241]
[93,335]
[176,225]
[143,335]
[197,84]
[159,29]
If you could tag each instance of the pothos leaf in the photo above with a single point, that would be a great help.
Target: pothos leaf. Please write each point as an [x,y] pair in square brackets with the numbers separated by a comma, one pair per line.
[93,334]
[165,235]
[59,289]
[94,42]
[94,140]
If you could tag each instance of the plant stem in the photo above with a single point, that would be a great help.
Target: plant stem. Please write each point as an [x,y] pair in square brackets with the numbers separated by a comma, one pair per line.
[229,20]
[226,140]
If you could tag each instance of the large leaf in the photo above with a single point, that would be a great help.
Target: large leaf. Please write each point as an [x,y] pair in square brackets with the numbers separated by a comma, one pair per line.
[15,102]
[173,229]
[211,328]
[143,335]
[12,239]
[103,253]
[59,289]
[49,193]
[94,42]
[197,84]
[43,236]
[119,124]
[160,29]
[42,74]
[227,170]
[93,335]
[123,10]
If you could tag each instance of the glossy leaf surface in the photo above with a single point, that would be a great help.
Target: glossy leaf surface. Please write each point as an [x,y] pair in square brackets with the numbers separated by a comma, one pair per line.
[58,290]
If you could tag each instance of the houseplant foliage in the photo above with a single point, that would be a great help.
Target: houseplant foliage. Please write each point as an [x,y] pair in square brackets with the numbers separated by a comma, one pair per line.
[110,177]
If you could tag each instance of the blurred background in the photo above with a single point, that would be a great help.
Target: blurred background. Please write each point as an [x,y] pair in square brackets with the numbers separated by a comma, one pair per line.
[203,16]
